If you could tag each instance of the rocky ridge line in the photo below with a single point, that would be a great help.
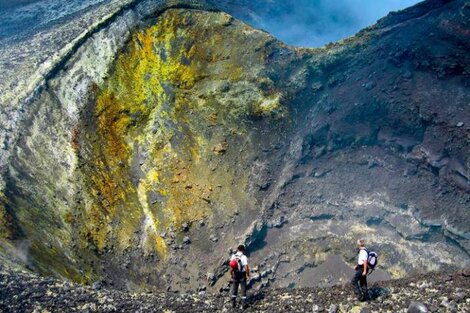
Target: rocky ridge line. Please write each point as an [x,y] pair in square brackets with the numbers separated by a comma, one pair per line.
[15,102]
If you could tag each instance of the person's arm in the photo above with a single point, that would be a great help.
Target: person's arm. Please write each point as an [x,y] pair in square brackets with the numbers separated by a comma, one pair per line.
[247,270]
[364,272]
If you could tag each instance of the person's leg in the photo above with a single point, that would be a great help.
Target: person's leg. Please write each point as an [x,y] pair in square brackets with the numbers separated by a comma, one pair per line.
[363,284]
[243,291]
[355,282]
[235,283]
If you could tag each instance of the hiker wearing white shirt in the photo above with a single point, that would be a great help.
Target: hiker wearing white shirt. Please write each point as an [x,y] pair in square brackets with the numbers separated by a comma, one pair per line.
[240,274]
[359,280]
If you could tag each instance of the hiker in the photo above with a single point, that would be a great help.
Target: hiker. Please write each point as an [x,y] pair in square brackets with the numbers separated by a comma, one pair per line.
[240,274]
[359,280]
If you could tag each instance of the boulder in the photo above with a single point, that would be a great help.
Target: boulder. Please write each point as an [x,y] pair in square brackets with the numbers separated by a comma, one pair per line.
[417,307]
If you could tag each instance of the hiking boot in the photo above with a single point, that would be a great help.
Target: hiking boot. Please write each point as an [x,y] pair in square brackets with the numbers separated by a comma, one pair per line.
[363,298]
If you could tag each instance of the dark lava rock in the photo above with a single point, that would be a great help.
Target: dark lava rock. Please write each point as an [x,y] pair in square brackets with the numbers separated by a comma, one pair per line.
[370,85]
[333,308]
[466,272]
[97,285]
[407,75]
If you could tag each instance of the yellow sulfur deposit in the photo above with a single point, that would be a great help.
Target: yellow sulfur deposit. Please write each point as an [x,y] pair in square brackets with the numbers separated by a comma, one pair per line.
[154,139]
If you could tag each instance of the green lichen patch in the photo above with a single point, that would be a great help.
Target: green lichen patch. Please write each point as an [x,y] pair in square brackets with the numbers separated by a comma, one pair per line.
[6,221]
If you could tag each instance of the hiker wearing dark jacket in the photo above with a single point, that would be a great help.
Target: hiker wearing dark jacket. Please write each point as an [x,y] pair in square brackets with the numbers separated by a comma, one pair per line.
[240,274]
[359,280]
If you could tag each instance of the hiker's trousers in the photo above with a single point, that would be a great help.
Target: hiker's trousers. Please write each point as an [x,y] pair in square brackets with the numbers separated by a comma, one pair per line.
[239,282]
[359,283]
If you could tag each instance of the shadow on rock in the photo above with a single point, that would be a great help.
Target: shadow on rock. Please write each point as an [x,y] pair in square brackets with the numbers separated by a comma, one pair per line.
[377,292]
[255,298]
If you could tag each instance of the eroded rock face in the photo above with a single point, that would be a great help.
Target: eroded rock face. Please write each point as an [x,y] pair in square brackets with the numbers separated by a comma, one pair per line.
[165,134]
[169,137]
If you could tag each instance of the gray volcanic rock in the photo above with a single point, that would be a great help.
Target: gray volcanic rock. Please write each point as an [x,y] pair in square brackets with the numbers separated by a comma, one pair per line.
[417,307]
[26,292]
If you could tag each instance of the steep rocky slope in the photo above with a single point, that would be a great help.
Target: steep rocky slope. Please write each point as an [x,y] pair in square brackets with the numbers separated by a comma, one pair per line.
[170,132]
